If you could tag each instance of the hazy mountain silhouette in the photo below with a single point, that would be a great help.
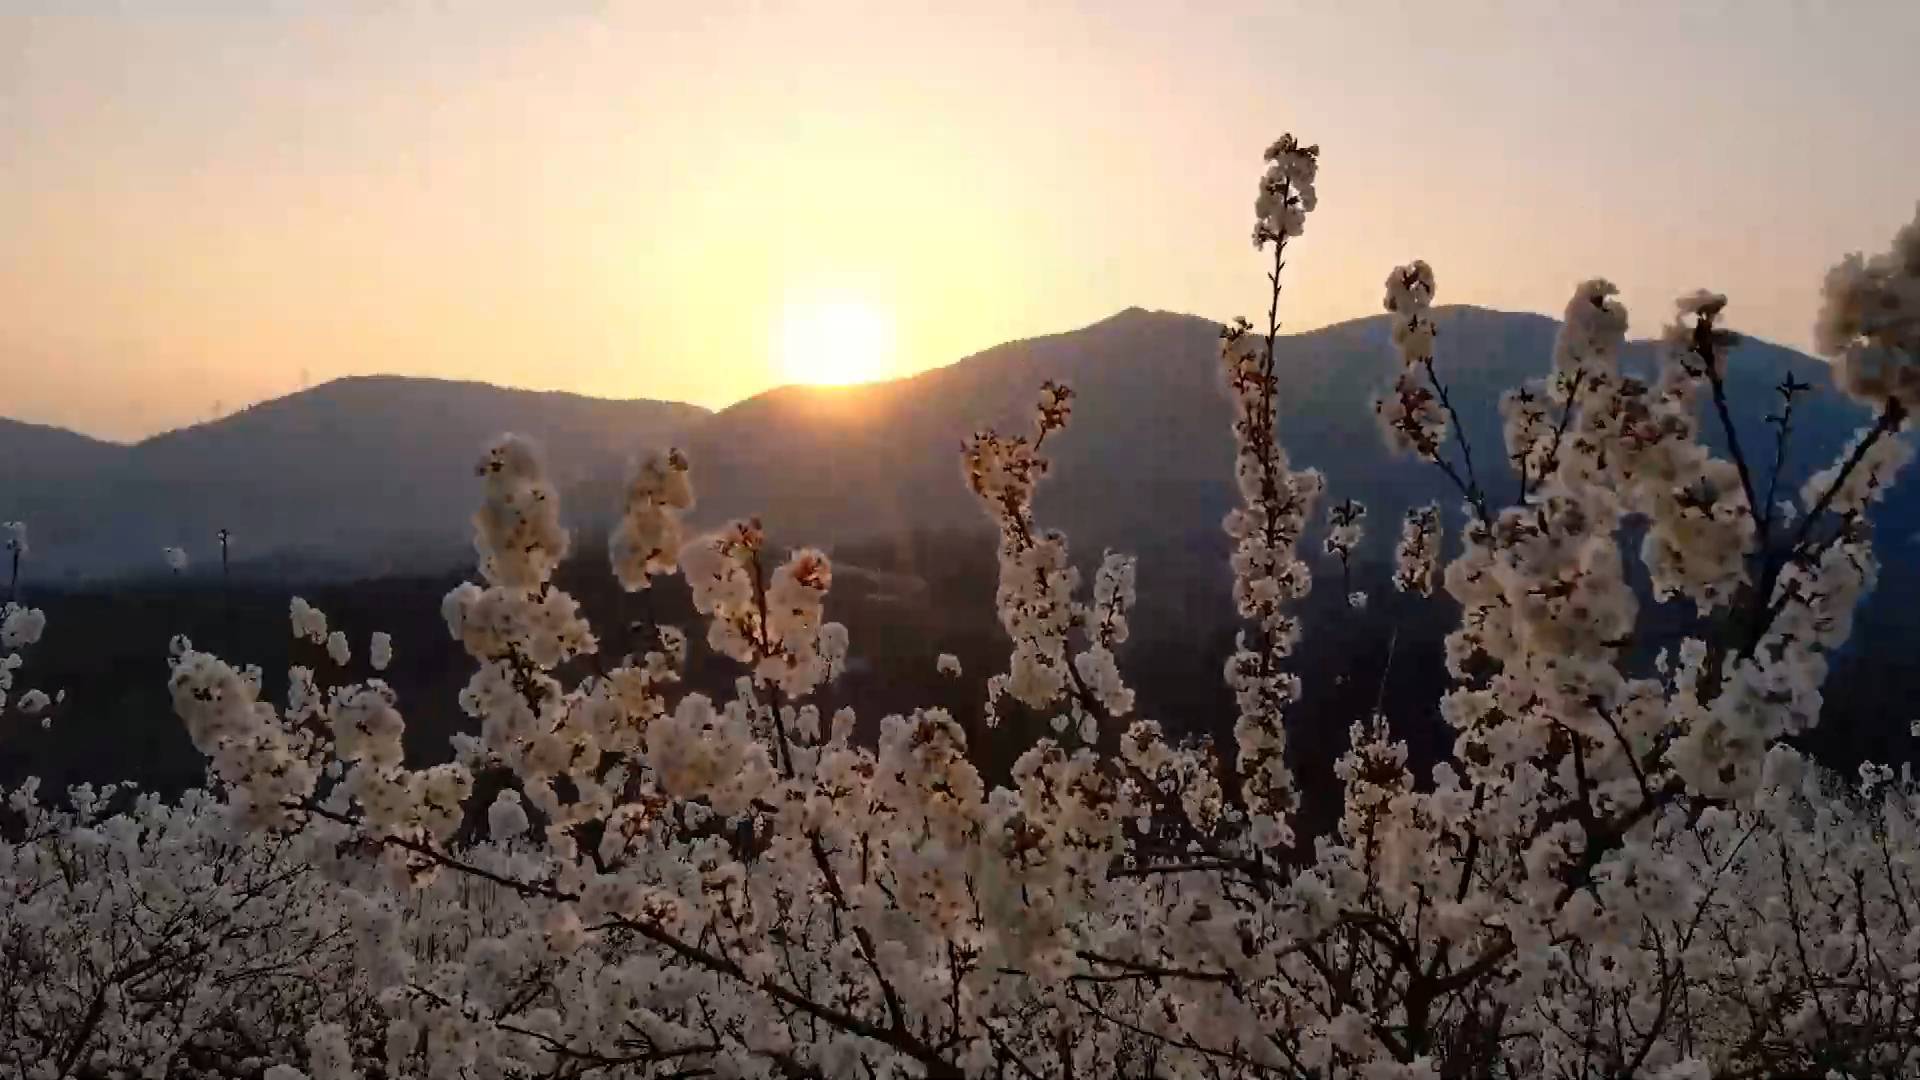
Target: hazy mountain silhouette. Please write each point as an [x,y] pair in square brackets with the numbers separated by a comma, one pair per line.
[366,475]
[1146,464]
[357,476]
[44,473]
[39,464]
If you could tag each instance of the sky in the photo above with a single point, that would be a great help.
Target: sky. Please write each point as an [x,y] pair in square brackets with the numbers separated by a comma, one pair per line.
[206,205]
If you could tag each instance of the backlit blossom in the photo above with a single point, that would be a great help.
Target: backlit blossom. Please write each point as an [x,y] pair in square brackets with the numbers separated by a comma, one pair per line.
[647,539]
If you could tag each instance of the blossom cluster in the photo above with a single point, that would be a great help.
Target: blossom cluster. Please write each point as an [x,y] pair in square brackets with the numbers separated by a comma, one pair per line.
[1869,321]
[647,539]
[1416,558]
[1276,504]
[145,936]
[1287,191]
[1035,597]
[1410,413]
[20,628]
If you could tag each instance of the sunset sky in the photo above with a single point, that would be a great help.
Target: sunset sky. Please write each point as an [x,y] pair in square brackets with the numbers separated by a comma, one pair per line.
[215,205]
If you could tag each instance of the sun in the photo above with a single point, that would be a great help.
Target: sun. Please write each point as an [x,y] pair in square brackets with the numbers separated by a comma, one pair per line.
[835,342]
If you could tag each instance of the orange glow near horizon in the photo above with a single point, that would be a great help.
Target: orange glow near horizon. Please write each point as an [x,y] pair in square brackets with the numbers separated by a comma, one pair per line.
[624,199]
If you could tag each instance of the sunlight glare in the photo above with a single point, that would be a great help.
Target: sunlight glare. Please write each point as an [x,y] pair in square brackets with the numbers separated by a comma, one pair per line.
[835,342]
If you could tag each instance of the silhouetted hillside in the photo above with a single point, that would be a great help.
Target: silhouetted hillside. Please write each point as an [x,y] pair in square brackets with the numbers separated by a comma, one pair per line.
[365,476]
[44,473]
[358,476]
[1146,464]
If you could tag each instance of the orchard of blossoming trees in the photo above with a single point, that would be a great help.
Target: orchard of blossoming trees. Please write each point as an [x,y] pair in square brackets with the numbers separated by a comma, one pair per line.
[1621,872]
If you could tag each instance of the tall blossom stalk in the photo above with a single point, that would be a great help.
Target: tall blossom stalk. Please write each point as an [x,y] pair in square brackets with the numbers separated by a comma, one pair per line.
[1619,873]
[1276,503]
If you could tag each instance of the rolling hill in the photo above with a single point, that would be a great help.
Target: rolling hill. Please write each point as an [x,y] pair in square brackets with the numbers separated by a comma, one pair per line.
[354,477]
[1145,465]
[43,470]
[369,475]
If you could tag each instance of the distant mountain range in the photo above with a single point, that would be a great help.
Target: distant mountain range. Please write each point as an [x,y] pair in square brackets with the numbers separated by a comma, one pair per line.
[1145,466]
[358,476]
[370,475]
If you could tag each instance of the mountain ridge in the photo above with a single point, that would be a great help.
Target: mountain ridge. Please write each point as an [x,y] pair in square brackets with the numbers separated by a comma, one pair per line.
[358,474]
[368,474]
[1131,313]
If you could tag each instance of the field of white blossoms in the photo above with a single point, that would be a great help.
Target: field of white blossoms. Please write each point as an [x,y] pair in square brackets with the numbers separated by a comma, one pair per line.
[1621,872]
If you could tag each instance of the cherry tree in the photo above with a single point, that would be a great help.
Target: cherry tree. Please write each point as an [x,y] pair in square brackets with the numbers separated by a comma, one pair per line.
[1624,869]
[143,937]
